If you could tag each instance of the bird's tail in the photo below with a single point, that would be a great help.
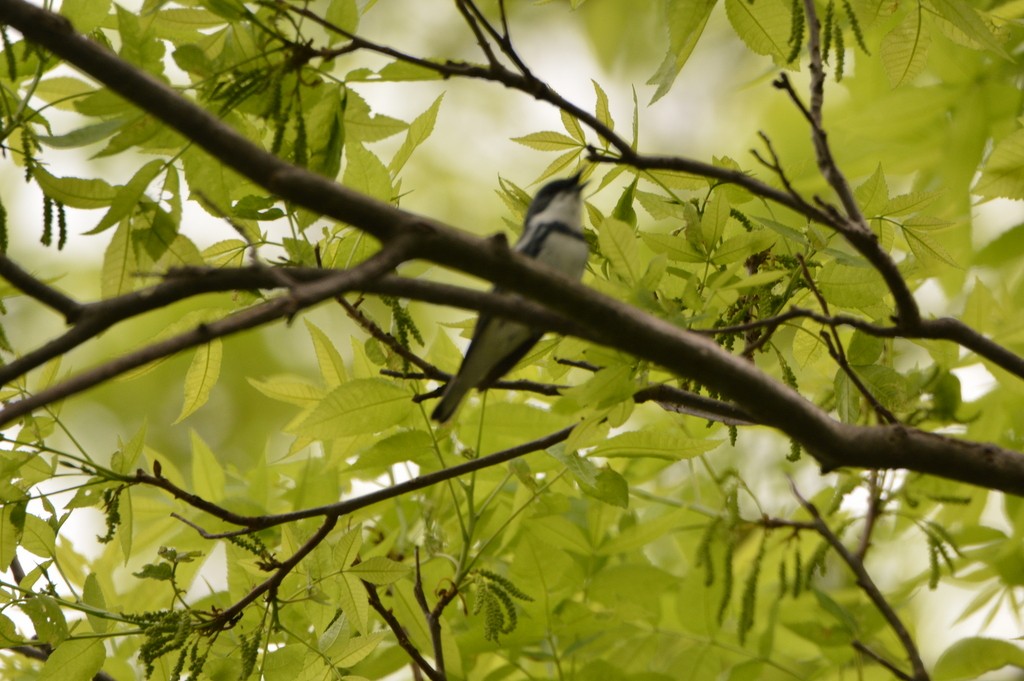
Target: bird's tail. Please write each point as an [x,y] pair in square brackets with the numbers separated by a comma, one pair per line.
[453,395]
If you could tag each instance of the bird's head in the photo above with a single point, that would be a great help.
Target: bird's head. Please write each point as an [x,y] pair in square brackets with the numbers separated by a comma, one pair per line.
[558,201]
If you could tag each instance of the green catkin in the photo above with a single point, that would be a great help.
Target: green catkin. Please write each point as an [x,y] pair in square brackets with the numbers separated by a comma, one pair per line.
[749,601]
[840,54]
[47,237]
[794,450]
[12,66]
[858,34]
[727,581]
[3,229]
[828,25]
[796,31]
[301,141]
[62,226]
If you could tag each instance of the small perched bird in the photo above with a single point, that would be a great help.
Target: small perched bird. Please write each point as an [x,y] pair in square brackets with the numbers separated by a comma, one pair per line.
[553,234]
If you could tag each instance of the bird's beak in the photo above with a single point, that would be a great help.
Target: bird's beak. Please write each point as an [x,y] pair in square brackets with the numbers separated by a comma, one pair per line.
[576,180]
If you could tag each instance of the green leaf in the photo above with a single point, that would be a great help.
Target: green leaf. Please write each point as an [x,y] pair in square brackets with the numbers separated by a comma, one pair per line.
[337,634]
[289,390]
[712,223]
[1003,173]
[965,20]
[12,522]
[332,366]
[653,444]
[926,248]
[9,633]
[160,572]
[675,247]
[85,15]
[907,204]
[74,192]
[358,648]
[92,595]
[873,194]
[83,136]
[345,15]
[904,50]
[850,286]
[38,537]
[573,127]
[125,459]
[379,570]
[548,141]
[419,131]
[127,197]
[601,109]
[362,406]
[1008,247]
[609,487]
[119,264]
[561,164]
[47,618]
[742,246]
[74,660]
[764,26]
[685,20]
[208,479]
[619,246]
[398,71]
[363,126]
[202,375]
[366,173]
[969,658]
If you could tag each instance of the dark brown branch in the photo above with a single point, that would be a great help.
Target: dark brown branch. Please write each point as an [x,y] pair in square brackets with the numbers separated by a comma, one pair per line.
[893,669]
[686,402]
[299,297]
[400,634]
[433,618]
[867,585]
[342,508]
[837,353]
[228,616]
[36,288]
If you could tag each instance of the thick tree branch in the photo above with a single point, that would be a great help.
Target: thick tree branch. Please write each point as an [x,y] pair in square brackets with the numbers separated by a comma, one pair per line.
[36,288]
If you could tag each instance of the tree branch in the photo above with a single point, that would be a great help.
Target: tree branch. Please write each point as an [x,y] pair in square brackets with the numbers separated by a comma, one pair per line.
[299,297]
[867,585]
[341,508]
[35,288]
[400,635]
[228,616]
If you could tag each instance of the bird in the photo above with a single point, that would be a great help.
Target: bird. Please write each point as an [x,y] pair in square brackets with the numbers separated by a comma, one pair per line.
[552,234]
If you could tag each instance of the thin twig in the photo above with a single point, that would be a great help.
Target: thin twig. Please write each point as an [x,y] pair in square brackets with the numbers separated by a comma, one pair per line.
[896,671]
[836,351]
[400,634]
[867,585]
[433,618]
[875,503]
[341,508]
[228,616]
